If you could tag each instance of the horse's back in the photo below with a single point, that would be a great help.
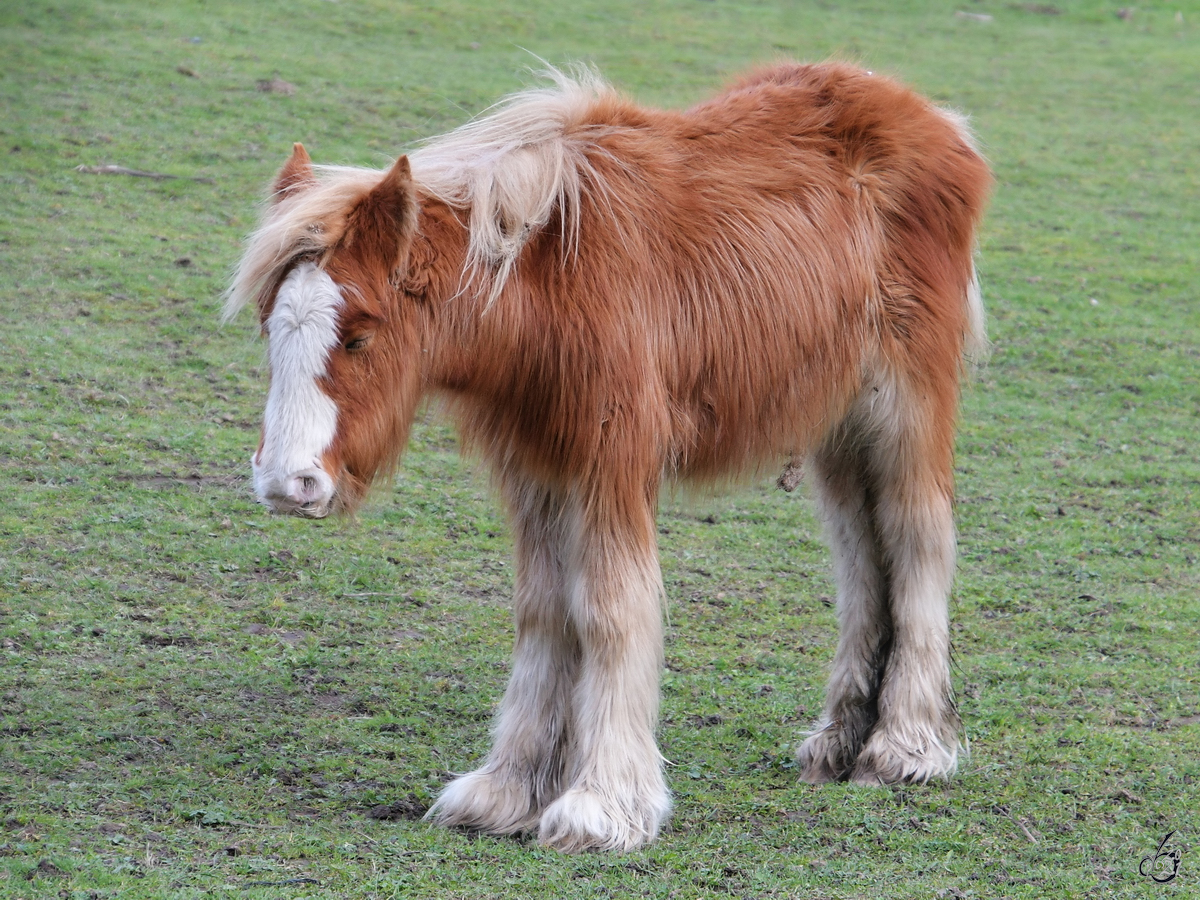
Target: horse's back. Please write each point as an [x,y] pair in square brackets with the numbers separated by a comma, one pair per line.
[765,240]
[742,271]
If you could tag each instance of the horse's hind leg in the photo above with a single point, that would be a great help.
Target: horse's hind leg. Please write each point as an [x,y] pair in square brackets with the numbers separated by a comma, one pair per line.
[523,772]
[911,466]
[840,482]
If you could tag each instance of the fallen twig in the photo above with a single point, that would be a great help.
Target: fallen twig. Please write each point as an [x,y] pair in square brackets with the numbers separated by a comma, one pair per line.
[1020,823]
[137,173]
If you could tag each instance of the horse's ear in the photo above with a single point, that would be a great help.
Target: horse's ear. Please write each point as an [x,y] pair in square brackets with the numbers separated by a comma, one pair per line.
[382,223]
[296,174]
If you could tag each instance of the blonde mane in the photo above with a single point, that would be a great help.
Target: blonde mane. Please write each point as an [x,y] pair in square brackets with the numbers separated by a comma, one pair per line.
[308,223]
[508,170]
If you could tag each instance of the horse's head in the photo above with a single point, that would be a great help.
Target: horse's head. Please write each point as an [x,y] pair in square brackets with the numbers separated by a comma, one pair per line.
[344,337]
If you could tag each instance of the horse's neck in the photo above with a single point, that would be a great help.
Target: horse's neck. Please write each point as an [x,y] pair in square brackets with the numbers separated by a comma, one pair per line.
[451,294]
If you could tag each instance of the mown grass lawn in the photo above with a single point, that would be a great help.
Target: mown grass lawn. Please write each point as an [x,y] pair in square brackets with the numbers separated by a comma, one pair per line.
[199,700]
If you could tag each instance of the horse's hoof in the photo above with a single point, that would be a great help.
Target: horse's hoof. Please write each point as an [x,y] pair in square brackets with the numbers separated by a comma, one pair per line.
[889,759]
[484,800]
[583,820]
[827,755]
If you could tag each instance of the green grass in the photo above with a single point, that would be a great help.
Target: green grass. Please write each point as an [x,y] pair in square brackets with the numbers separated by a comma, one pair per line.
[197,699]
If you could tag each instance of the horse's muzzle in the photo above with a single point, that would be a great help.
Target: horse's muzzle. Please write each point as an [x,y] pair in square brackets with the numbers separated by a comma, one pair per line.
[308,493]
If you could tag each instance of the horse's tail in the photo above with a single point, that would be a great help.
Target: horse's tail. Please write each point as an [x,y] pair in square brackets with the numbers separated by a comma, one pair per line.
[975,343]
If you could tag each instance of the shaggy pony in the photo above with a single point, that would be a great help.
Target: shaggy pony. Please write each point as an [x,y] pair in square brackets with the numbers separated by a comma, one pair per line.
[608,295]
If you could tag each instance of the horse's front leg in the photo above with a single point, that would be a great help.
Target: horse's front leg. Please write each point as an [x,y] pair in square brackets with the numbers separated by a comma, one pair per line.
[523,772]
[616,797]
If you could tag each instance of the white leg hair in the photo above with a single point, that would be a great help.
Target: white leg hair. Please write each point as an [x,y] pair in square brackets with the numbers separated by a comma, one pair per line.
[829,752]
[916,736]
[523,772]
[616,797]
[889,713]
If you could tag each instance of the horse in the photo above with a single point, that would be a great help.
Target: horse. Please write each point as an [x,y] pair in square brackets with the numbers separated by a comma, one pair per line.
[606,298]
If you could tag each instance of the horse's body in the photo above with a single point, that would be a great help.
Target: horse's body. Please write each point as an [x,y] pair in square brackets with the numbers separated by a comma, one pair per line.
[608,295]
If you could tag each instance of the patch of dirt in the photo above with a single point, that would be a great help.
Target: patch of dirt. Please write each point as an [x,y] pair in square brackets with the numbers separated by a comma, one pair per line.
[45,869]
[1040,9]
[332,700]
[1183,720]
[195,479]
[291,638]
[410,809]
[168,640]
[275,86]
[343,703]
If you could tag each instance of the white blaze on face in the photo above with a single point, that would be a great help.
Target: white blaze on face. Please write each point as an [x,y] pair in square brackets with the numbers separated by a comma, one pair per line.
[300,419]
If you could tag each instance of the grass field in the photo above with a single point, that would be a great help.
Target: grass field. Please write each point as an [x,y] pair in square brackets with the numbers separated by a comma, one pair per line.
[197,699]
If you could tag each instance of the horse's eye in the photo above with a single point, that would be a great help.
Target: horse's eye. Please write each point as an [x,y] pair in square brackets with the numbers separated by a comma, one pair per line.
[358,343]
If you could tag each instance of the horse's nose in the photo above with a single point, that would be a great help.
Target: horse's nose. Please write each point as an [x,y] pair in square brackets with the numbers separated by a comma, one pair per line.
[308,492]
